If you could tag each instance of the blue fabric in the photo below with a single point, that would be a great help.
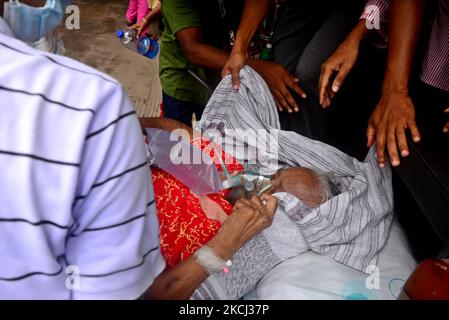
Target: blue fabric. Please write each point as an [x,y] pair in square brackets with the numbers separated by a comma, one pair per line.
[181,110]
[32,23]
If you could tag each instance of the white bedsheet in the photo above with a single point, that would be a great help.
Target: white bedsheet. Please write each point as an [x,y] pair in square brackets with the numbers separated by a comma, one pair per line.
[314,276]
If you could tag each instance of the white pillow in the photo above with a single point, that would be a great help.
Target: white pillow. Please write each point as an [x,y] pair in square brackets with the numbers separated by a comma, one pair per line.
[314,276]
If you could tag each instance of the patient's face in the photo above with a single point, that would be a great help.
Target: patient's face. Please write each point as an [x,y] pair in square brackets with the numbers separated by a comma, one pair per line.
[300,182]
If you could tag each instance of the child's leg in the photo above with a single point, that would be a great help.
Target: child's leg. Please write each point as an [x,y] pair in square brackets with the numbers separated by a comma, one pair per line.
[131,14]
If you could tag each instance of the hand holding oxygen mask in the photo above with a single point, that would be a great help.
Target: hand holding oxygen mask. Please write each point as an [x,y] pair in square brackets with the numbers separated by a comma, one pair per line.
[303,183]
[309,186]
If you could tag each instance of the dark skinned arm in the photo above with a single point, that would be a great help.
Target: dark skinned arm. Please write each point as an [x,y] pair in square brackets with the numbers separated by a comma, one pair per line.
[340,64]
[254,12]
[279,80]
[165,124]
[395,112]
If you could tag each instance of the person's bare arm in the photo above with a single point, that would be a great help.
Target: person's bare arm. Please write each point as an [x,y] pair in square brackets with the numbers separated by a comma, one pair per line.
[249,218]
[395,112]
[197,52]
[165,124]
[142,24]
[253,14]
[279,80]
[340,63]
[156,11]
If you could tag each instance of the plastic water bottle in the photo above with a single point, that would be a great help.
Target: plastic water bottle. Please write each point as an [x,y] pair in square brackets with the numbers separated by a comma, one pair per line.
[128,39]
[148,47]
[144,46]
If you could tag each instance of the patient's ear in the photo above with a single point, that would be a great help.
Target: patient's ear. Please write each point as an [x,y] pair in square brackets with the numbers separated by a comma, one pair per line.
[276,184]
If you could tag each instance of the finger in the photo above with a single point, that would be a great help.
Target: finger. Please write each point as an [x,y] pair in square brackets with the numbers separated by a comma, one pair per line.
[240,204]
[402,141]
[277,103]
[370,135]
[256,202]
[282,101]
[271,204]
[235,74]
[380,146]
[293,84]
[339,79]
[392,146]
[326,74]
[290,100]
[225,71]
[416,136]
[328,99]
[446,128]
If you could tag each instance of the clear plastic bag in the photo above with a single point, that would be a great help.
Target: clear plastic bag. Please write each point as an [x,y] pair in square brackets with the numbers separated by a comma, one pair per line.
[184,161]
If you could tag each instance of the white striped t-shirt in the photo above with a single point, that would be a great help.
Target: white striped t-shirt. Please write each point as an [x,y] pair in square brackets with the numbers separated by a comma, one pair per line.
[77,212]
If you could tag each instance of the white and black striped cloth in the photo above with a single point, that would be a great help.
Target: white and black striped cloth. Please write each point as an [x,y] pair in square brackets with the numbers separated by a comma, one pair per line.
[75,188]
[351,228]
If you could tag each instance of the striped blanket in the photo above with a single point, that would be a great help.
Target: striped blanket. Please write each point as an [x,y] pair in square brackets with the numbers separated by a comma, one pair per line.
[352,227]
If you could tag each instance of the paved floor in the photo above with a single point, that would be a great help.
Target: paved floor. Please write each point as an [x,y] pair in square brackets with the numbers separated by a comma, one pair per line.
[96,45]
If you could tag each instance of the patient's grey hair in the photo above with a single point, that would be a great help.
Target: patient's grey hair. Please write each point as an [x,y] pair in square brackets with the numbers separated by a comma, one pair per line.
[329,187]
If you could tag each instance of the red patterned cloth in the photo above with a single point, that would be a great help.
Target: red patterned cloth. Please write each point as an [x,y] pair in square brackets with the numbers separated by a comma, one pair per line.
[184,227]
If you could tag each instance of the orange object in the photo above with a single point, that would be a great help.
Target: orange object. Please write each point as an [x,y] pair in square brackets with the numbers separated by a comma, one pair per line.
[429,281]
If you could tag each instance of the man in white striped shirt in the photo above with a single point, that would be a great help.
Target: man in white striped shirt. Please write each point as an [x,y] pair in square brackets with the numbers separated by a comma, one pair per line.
[77,213]
[74,183]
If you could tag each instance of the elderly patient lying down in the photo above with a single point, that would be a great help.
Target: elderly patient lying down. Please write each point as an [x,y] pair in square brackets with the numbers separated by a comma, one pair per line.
[328,202]
[188,221]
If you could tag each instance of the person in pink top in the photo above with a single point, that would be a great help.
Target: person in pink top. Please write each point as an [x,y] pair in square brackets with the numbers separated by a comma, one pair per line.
[141,13]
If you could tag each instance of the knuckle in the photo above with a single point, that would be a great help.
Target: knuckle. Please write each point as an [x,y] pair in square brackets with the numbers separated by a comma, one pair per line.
[251,212]
[380,146]
[263,220]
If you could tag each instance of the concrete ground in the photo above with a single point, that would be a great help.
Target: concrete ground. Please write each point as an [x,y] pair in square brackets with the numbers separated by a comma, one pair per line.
[96,45]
